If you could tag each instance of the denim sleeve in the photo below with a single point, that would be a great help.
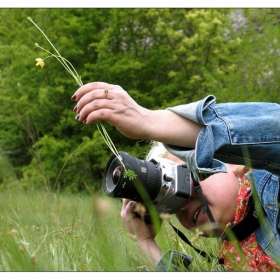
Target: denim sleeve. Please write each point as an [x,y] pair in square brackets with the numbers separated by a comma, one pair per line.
[239,133]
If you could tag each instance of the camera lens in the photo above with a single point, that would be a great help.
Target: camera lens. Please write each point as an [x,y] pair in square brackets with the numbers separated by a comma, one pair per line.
[116,174]
[116,184]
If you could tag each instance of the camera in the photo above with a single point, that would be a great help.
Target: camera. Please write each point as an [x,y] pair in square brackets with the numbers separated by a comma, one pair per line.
[162,182]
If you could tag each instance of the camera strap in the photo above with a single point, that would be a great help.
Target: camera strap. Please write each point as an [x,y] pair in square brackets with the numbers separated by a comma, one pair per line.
[208,257]
[205,209]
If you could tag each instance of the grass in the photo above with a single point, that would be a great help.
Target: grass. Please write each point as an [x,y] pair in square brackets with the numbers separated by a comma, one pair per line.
[66,232]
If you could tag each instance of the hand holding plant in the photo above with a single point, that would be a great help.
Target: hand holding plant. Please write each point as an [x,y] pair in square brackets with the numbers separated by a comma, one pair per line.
[71,70]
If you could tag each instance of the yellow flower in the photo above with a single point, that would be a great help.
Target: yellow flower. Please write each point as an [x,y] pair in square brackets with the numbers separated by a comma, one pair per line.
[40,62]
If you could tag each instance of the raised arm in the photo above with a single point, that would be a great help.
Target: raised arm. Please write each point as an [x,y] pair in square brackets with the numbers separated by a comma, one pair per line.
[111,103]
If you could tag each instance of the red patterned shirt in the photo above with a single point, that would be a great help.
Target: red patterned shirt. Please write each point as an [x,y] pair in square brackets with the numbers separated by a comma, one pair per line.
[245,255]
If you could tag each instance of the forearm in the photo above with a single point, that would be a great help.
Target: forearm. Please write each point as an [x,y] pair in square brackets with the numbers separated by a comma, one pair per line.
[170,128]
[151,250]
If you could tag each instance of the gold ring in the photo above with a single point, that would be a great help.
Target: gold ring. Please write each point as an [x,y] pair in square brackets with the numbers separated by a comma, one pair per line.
[106,93]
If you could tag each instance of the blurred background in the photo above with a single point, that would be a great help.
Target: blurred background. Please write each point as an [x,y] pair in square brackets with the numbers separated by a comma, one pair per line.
[161,56]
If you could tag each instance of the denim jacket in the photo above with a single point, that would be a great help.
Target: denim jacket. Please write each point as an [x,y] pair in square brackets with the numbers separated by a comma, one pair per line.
[239,133]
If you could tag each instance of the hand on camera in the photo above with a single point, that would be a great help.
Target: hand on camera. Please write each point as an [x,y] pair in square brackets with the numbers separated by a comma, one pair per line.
[136,224]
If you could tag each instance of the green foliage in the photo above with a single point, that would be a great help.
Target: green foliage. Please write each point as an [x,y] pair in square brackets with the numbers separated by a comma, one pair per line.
[252,74]
[162,57]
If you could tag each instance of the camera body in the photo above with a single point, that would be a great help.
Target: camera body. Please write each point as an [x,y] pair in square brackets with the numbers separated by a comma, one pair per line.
[162,182]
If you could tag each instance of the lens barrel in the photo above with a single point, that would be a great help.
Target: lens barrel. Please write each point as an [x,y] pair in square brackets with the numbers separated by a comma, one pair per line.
[148,180]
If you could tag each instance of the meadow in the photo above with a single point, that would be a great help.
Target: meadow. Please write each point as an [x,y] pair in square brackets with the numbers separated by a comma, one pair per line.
[46,231]
[232,53]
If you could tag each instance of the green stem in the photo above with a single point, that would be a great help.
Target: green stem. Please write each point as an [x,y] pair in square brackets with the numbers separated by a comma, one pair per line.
[29,18]
[70,68]
[66,64]
[108,140]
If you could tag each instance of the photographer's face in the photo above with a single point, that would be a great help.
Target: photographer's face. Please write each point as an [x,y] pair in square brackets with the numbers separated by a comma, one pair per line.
[220,191]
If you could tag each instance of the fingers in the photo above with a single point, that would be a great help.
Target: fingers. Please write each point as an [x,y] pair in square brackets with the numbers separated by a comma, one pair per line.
[93,97]
[90,87]
[124,203]
[99,109]
[94,102]
[128,211]
[96,89]
[94,94]
[128,207]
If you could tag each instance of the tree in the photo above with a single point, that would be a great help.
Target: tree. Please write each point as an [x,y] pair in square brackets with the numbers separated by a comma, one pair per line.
[162,57]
